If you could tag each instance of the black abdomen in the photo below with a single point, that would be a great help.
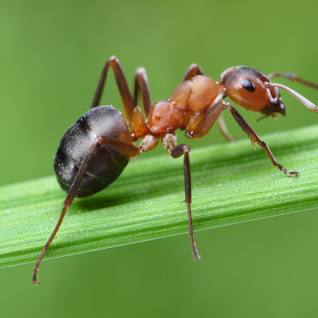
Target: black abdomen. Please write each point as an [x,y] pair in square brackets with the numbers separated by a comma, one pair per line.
[106,165]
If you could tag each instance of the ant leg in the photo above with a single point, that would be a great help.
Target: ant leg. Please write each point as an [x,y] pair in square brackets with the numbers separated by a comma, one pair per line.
[128,101]
[148,143]
[195,70]
[127,149]
[223,129]
[142,86]
[201,123]
[67,203]
[192,71]
[176,151]
[255,138]
[293,77]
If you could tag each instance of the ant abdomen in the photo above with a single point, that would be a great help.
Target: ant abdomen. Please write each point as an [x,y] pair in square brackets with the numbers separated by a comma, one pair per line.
[107,163]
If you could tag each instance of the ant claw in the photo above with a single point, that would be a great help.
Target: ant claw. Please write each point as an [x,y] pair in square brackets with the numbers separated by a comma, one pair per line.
[294,174]
[290,173]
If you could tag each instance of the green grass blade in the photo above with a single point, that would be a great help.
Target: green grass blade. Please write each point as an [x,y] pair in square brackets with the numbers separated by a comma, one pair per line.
[231,184]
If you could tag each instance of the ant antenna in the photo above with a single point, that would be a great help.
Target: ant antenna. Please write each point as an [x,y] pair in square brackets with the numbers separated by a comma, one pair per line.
[306,102]
[295,78]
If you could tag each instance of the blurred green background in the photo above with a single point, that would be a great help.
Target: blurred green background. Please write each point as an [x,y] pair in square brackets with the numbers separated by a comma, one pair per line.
[51,55]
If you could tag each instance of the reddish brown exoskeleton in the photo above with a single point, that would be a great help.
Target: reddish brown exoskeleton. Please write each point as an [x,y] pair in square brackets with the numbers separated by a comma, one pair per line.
[95,150]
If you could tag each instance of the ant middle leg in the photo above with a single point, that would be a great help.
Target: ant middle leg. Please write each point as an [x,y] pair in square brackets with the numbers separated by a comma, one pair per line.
[255,138]
[195,70]
[176,151]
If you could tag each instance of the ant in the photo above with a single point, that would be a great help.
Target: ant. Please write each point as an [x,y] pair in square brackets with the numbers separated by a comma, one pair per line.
[95,150]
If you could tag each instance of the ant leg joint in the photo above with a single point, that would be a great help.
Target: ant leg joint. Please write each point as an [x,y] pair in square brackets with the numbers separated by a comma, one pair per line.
[169,141]
[180,150]
[141,71]
[148,143]
[113,59]
[287,172]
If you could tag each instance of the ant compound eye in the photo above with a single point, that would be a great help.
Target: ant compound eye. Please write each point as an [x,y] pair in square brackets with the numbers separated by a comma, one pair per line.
[247,84]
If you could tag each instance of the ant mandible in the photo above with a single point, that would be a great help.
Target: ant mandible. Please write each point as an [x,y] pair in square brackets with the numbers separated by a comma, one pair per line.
[95,150]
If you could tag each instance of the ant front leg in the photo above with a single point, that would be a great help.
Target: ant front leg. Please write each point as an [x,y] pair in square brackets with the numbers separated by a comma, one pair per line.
[201,123]
[195,70]
[255,138]
[224,130]
[128,100]
[176,151]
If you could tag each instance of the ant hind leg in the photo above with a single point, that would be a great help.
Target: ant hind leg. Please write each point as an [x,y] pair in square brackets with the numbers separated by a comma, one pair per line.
[126,149]
[67,203]
[142,86]
[128,101]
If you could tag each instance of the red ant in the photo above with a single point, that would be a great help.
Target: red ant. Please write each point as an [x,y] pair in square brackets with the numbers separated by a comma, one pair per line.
[95,150]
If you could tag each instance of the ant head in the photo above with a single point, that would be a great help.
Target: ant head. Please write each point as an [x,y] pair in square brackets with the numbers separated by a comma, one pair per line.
[252,90]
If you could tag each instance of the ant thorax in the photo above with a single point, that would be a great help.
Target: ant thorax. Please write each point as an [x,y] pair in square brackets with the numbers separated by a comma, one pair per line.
[187,108]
